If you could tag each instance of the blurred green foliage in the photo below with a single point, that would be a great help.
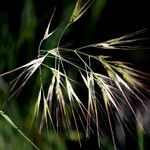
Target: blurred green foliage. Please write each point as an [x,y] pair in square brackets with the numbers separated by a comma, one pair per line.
[20,47]
[17,47]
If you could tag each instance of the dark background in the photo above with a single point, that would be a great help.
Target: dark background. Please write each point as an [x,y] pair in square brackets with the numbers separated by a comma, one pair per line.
[22,26]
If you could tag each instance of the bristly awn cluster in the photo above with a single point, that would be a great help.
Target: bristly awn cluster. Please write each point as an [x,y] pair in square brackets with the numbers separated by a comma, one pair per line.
[62,108]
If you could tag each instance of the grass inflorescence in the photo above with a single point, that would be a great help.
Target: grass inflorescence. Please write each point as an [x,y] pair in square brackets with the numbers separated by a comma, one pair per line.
[113,92]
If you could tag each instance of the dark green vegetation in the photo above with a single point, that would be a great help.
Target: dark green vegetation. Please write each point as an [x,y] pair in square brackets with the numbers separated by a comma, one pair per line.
[22,26]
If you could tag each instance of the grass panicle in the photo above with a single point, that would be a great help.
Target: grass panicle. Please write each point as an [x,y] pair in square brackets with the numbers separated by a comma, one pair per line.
[61,106]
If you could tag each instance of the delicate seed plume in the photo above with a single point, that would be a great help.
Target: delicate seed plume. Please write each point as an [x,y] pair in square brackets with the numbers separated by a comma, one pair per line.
[61,107]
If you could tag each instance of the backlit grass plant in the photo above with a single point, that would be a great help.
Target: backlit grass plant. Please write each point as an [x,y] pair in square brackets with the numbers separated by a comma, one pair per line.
[111,91]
